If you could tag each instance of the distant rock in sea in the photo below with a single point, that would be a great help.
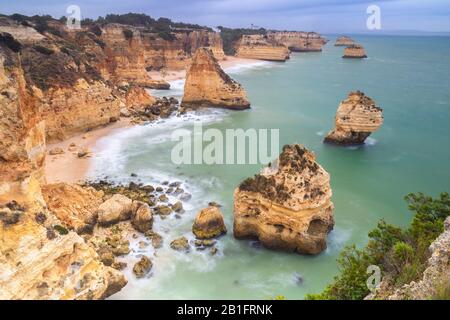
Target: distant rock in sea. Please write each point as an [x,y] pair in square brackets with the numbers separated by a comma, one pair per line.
[355,51]
[344,41]
[356,118]
[207,85]
[288,205]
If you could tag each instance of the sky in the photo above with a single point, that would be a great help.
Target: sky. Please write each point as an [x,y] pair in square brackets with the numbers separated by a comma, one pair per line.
[325,16]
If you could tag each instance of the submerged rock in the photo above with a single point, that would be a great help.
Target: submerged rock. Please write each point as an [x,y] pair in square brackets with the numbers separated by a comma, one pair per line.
[180,244]
[356,118]
[207,85]
[209,223]
[288,205]
[156,239]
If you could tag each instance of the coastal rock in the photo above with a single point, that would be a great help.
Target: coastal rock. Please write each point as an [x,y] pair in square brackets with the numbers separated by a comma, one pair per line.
[155,238]
[141,216]
[180,244]
[298,41]
[163,210]
[33,257]
[209,223]
[115,209]
[56,151]
[142,267]
[344,42]
[356,118]
[75,206]
[137,98]
[177,206]
[288,205]
[355,51]
[207,85]
[262,48]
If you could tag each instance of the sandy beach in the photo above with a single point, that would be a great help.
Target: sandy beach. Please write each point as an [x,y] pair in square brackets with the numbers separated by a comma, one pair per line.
[68,167]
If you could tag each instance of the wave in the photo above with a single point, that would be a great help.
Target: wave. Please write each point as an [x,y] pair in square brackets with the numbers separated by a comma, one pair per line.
[245,67]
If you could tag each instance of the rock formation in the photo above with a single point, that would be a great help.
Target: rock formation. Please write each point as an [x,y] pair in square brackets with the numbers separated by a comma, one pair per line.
[39,259]
[262,48]
[344,42]
[356,118]
[209,223]
[288,205]
[115,209]
[355,51]
[207,85]
[298,41]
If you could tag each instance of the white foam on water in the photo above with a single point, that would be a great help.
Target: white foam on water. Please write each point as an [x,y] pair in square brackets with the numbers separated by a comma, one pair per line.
[371,141]
[245,67]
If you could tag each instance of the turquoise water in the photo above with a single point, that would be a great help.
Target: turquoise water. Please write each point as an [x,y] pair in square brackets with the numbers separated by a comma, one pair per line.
[409,77]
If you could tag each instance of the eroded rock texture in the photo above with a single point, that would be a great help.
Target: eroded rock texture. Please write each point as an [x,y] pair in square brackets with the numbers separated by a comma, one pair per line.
[356,118]
[288,205]
[207,85]
[262,48]
[298,41]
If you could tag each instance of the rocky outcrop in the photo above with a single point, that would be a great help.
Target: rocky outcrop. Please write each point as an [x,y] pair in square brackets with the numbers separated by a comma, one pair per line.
[356,118]
[355,51]
[141,216]
[39,259]
[207,85]
[288,205]
[262,48]
[209,223]
[435,277]
[298,41]
[344,41]
[75,206]
[115,209]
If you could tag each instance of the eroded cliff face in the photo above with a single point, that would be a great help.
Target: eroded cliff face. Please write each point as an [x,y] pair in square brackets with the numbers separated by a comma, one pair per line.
[38,260]
[344,41]
[207,85]
[356,118]
[299,41]
[355,51]
[262,48]
[288,205]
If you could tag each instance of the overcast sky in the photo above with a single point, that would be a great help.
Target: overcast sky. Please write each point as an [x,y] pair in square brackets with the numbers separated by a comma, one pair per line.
[326,16]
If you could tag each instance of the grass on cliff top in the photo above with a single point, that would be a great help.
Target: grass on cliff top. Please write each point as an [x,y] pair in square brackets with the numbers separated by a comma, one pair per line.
[401,254]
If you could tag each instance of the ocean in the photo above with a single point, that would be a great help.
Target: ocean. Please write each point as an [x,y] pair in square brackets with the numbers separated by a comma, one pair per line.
[409,77]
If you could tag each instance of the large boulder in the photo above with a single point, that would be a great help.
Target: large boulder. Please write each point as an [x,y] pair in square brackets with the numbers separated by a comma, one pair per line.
[288,205]
[142,267]
[209,223]
[356,118]
[207,85]
[115,209]
[141,216]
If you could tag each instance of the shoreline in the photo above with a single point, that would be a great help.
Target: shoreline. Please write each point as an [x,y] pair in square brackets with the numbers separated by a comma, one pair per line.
[68,168]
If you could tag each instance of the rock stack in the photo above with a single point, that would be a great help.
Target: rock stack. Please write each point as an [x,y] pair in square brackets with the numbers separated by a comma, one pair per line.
[288,205]
[355,51]
[356,118]
[207,85]
[344,42]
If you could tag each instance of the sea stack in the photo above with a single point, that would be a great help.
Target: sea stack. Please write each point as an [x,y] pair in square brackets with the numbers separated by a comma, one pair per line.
[344,42]
[207,85]
[288,205]
[356,118]
[355,51]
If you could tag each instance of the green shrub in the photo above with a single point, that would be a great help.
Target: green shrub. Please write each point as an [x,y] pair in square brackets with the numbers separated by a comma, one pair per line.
[61,230]
[44,50]
[128,34]
[401,254]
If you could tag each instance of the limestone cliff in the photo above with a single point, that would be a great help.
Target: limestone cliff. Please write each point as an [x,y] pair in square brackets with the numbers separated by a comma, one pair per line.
[356,118]
[298,41]
[262,48]
[38,259]
[207,85]
[288,205]
[344,41]
[355,51]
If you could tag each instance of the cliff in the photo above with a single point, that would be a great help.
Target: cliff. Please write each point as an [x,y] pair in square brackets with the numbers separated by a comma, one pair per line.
[38,260]
[355,51]
[435,277]
[288,205]
[356,118]
[344,41]
[298,41]
[262,48]
[207,85]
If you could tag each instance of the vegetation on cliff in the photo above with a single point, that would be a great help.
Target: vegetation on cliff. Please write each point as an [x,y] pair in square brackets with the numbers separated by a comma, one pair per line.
[231,36]
[401,254]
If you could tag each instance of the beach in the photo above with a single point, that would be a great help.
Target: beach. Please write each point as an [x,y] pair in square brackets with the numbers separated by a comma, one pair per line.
[69,168]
